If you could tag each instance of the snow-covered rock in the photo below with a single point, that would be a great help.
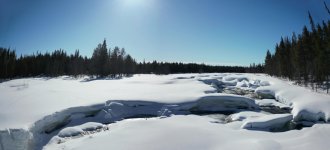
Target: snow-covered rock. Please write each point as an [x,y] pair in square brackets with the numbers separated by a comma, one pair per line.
[77,130]
[271,103]
[70,131]
[243,83]
[267,122]
[244,115]
[306,105]
[265,94]
[264,83]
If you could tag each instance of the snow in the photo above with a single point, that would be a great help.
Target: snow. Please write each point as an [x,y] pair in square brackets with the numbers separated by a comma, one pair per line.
[267,122]
[306,105]
[243,83]
[194,133]
[74,131]
[271,103]
[223,102]
[244,115]
[56,94]
[34,110]
[70,131]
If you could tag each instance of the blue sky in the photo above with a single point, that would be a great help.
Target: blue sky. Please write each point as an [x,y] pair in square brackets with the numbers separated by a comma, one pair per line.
[223,32]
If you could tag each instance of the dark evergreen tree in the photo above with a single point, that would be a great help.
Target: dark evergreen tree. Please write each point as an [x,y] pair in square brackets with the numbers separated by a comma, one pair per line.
[100,60]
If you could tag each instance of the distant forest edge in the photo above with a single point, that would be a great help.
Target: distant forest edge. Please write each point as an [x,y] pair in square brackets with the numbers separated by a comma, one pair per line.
[103,63]
[304,58]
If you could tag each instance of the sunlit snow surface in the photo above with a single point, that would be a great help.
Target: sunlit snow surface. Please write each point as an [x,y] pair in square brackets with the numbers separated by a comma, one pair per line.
[33,110]
[195,133]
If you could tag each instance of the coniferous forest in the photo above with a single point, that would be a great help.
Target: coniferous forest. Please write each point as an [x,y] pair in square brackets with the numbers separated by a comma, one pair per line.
[304,58]
[104,62]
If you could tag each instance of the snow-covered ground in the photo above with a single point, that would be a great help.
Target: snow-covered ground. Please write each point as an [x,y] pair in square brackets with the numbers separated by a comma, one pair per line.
[37,111]
[195,133]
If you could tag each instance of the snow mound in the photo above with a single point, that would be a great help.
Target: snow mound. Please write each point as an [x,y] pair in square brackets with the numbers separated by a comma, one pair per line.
[235,77]
[306,105]
[267,122]
[244,115]
[264,83]
[91,126]
[70,131]
[271,103]
[78,130]
[243,83]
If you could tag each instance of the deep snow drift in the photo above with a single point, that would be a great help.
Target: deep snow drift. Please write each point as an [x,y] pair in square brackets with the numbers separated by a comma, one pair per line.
[35,110]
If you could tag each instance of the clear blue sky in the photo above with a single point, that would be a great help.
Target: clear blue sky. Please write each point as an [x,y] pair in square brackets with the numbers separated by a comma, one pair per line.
[224,32]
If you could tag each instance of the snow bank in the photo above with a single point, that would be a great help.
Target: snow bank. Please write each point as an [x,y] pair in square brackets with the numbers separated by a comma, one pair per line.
[195,133]
[267,122]
[112,111]
[15,139]
[306,105]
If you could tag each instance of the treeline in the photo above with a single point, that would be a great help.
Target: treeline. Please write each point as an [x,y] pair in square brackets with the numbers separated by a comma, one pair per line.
[305,57]
[105,62]
[167,68]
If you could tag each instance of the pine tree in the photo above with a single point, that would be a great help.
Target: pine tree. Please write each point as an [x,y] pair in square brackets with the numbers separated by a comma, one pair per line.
[114,62]
[268,63]
[100,60]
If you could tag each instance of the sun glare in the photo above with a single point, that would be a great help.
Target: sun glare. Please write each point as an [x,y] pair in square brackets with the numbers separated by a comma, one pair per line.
[133,2]
[137,3]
